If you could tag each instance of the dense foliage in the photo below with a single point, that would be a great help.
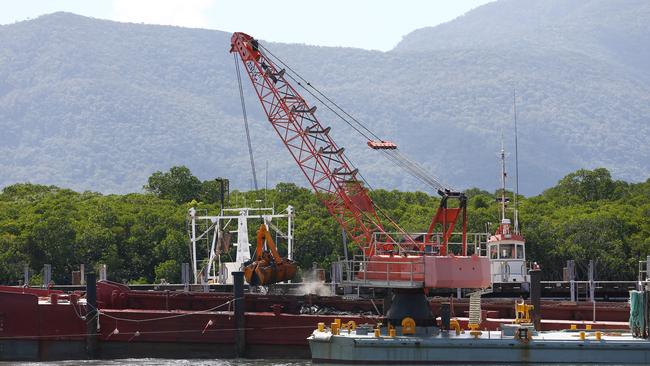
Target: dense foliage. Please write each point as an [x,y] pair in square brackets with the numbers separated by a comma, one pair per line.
[180,185]
[92,104]
[143,237]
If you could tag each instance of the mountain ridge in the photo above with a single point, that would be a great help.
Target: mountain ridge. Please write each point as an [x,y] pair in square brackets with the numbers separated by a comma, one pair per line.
[595,28]
[97,105]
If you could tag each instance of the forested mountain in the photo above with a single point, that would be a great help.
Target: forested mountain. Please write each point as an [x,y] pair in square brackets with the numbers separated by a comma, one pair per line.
[610,31]
[98,105]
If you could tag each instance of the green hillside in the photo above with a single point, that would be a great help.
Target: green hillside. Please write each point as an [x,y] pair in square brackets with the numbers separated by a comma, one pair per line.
[97,105]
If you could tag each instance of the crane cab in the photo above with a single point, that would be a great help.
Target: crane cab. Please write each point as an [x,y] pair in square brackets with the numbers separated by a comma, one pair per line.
[507,254]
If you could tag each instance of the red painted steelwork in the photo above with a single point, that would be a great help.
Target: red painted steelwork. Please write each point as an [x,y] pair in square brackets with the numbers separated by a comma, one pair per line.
[394,268]
[452,271]
[432,271]
[446,218]
[552,310]
[137,324]
[320,159]
[25,318]
[30,290]
[505,233]
[330,174]
[382,145]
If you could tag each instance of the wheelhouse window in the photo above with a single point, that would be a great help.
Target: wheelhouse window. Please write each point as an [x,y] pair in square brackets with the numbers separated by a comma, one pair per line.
[494,253]
[520,251]
[507,251]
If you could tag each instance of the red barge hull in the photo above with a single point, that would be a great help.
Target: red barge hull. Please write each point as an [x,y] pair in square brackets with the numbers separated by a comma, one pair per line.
[51,325]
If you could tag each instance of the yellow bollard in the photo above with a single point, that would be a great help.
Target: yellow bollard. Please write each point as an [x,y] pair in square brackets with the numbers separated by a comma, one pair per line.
[588,327]
[598,335]
[352,325]
[391,332]
[349,326]
[377,332]
[582,336]
[455,325]
[408,326]
[321,327]
[335,328]
[574,327]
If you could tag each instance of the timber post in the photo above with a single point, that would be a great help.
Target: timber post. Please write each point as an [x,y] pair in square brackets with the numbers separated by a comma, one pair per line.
[535,296]
[240,315]
[91,316]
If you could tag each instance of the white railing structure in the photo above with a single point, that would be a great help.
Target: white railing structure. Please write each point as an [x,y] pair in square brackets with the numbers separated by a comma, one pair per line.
[476,243]
[644,271]
[215,232]
[364,271]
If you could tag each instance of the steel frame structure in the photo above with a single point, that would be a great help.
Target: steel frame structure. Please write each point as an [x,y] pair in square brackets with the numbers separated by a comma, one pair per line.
[336,184]
[447,217]
[212,225]
[320,159]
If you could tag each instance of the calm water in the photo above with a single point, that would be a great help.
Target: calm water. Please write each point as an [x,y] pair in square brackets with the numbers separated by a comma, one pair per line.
[160,361]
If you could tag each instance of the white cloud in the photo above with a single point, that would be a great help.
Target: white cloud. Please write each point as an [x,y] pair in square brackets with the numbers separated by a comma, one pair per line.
[186,13]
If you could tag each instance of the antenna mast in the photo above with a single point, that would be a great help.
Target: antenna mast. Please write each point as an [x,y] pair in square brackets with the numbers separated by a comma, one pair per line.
[503,181]
[514,103]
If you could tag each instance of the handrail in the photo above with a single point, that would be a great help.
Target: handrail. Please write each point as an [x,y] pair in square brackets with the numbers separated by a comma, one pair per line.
[369,272]
[385,242]
[587,282]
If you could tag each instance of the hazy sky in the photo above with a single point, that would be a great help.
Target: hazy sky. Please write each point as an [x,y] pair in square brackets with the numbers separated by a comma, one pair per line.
[369,24]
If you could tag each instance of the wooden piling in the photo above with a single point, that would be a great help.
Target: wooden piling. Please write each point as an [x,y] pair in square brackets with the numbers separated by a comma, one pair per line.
[240,319]
[91,316]
[535,296]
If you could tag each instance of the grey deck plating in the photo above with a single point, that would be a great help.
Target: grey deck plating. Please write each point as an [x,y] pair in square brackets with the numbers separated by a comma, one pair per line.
[490,347]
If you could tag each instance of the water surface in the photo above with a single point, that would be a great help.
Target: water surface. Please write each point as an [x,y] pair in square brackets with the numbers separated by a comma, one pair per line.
[161,361]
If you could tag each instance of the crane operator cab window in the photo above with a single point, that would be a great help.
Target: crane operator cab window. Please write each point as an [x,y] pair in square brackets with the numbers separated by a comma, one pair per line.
[494,252]
[520,251]
[507,251]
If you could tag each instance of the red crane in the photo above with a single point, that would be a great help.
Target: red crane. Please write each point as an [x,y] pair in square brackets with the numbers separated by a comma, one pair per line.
[330,173]
[321,160]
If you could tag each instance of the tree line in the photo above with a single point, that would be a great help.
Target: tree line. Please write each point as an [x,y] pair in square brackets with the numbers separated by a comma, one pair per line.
[143,237]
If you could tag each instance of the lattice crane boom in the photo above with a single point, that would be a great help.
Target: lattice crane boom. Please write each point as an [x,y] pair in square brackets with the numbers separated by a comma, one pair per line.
[320,159]
[388,262]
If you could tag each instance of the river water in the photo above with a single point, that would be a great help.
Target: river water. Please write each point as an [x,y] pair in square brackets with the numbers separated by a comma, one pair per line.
[194,362]
[161,361]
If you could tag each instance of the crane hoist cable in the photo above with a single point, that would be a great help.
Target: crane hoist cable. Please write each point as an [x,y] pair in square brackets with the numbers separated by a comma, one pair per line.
[325,165]
[416,170]
[394,155]
[248,135]
[406,236]
[324,104]
[337,185]
[361,125]
[295,79]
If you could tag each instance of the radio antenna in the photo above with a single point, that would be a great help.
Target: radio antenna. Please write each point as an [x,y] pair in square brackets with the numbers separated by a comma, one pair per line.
[514,103]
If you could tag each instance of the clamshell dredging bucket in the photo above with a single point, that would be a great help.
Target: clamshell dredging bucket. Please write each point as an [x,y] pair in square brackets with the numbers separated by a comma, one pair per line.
[264,272]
